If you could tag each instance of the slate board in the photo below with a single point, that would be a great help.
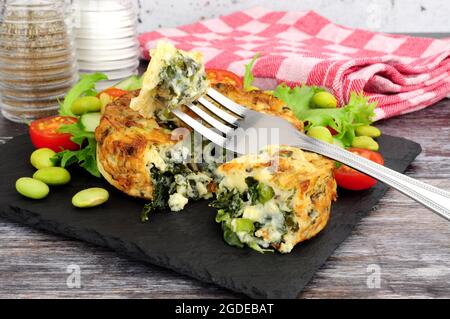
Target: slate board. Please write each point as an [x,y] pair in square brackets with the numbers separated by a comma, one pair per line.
[189,242]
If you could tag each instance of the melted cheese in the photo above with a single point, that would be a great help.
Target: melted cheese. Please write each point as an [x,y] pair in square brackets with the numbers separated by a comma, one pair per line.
[271,219]
[153,156]
[177,202]
[234,181]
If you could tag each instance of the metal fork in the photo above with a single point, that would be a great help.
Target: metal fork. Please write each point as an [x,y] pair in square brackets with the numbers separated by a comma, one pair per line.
[231,138]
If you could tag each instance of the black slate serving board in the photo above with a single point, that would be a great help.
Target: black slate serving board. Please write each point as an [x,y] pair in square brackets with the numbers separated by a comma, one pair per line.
[189,242]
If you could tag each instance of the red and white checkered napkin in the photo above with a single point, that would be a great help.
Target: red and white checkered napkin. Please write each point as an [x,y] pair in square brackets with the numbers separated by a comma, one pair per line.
[401,73]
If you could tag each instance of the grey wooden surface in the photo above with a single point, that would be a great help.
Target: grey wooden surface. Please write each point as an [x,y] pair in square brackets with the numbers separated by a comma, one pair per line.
[407,243]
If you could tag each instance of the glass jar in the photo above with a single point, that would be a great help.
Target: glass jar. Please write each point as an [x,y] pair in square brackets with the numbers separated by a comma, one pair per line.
[106,38]
[37,57]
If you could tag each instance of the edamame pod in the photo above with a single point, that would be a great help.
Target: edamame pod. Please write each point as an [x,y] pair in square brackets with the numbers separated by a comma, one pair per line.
[53,176]
[90,197]
[32,188]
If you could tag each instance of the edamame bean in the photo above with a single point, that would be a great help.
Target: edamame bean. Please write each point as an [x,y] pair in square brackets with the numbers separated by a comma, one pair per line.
[265,192]
[365,142]
[90,197]
[243,225]
[32,188]
[320,133]
[367,130]
[324,100]
[86,104]
[42,158]
[52,176]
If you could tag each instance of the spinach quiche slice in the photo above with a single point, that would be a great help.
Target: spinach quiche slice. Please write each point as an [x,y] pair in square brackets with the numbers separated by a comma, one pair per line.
[274,199]
[145,158]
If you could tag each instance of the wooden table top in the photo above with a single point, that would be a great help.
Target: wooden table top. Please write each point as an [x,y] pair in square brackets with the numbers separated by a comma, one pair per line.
[409,245]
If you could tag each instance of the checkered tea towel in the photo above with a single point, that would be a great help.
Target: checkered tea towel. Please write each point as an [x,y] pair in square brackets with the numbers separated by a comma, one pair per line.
[402,73]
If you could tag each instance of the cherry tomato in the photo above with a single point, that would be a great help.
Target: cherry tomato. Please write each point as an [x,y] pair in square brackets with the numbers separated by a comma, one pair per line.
[224,76]
[45,133]
[113,92]
[351,179]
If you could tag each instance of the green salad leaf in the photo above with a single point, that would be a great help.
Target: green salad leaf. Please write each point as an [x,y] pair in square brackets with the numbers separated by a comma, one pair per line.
[297,98]
[86,156]
[344,120]
[86,86]
[130,84]
[248,75]
[77,132]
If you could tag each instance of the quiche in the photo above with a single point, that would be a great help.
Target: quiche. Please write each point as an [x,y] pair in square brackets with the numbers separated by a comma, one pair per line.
[274,199]
[144,158]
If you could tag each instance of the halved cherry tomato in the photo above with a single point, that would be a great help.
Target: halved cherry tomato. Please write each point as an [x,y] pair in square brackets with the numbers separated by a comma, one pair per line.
[349,178]
[113,92]
[45,133]
[224,76]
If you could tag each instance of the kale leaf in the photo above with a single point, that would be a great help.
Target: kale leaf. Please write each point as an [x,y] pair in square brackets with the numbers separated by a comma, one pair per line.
[162,182]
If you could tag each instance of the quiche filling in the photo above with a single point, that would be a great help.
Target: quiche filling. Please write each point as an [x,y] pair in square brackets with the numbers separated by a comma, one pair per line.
[173,78]
[176,178]
[253,216]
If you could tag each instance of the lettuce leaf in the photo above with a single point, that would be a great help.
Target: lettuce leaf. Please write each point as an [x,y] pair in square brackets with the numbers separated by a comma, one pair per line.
[86,86]
[248,75]
[344,120]
[86,156]
[130,84]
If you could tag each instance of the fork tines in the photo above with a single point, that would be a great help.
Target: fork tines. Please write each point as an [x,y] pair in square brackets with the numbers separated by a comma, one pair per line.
[230,120]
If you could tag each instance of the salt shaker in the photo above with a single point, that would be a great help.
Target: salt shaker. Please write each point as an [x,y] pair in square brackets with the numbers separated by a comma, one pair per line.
[106,38]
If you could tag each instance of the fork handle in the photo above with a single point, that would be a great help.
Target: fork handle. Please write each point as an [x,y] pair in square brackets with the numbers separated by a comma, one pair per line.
[432,197]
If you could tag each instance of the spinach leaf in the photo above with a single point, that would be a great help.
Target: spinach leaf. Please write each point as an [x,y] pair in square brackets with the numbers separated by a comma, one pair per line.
[252,190]
[162,182]
[229,201]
